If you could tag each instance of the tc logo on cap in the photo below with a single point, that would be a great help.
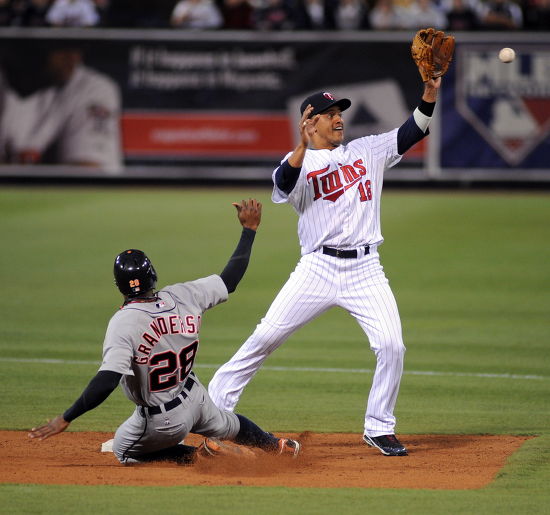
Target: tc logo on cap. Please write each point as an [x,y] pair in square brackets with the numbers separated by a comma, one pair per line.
[328,95]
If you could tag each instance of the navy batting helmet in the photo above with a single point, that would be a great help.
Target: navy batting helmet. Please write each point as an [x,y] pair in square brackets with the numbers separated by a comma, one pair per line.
[134,273]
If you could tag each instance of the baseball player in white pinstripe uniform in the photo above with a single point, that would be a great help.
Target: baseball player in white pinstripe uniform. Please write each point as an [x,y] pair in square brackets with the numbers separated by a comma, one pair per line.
[336,191]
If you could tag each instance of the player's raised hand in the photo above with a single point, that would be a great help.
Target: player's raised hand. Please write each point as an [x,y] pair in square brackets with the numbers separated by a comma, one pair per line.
[307,130]
[307,125]
[53,427]
[249,213]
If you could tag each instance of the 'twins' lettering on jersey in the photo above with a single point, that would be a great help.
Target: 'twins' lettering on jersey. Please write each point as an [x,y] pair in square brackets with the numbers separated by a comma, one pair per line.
[332,185]
[337,193]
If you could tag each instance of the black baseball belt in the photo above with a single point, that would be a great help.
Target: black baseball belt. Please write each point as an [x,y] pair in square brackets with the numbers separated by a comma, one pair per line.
[176,401]
[344,254]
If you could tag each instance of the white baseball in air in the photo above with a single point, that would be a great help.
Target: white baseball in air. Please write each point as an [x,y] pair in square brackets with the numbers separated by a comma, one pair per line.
[507,55]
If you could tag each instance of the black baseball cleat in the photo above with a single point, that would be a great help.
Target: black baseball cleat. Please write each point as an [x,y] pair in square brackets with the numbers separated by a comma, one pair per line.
[386,444]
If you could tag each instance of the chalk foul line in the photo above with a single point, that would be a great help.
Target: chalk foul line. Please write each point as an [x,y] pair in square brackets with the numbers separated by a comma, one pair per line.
[301,369]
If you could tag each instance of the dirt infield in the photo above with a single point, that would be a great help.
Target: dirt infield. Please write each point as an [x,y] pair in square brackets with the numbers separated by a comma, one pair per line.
[450,462]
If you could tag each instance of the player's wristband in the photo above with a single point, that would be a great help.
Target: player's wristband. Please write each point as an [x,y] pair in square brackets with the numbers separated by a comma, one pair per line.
[426,108]
[421,120]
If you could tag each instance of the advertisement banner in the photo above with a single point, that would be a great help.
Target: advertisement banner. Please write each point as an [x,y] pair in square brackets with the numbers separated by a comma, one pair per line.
[119,101]
[497,115]
[195,100]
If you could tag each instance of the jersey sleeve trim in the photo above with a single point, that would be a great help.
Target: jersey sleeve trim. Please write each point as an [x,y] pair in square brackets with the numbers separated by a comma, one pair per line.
[286,176]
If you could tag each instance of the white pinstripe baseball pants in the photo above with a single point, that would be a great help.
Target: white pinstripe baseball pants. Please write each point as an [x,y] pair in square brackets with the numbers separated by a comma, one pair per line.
[318,283]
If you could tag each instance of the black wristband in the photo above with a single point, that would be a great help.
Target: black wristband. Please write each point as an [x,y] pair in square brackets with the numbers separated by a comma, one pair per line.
[426,108]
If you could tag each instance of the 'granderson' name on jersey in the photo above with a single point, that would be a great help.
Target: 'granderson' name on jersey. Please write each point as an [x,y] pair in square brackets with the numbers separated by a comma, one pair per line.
[163,325]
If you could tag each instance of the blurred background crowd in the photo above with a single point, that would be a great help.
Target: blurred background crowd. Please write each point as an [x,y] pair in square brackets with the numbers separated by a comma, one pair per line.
[273,15]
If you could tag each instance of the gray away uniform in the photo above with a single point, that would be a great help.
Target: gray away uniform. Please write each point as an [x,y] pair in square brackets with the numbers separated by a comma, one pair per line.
[150,348]
[153,345]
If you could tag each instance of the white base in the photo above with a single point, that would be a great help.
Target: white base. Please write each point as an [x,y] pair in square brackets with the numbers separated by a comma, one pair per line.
[107,446]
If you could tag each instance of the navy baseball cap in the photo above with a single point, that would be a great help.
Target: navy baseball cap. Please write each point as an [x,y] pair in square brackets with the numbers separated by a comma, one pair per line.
[322,101]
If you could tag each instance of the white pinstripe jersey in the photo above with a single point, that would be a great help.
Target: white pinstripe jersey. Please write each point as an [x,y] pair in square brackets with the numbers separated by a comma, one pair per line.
[337,196]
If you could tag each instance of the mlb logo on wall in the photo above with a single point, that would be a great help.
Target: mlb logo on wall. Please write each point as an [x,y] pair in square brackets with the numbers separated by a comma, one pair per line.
[507,104]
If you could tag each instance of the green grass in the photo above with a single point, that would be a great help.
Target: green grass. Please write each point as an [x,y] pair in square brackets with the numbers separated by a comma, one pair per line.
[470,272]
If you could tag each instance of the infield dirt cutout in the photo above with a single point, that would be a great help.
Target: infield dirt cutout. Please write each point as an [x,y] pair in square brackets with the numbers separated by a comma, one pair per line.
[328,460]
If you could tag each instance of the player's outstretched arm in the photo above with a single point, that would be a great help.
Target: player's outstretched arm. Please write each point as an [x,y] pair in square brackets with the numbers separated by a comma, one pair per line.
[99,388]
[287,174]
[250,215]
[416,127]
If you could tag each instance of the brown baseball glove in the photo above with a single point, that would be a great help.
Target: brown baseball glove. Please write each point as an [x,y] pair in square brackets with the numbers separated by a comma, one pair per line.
[432,51]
